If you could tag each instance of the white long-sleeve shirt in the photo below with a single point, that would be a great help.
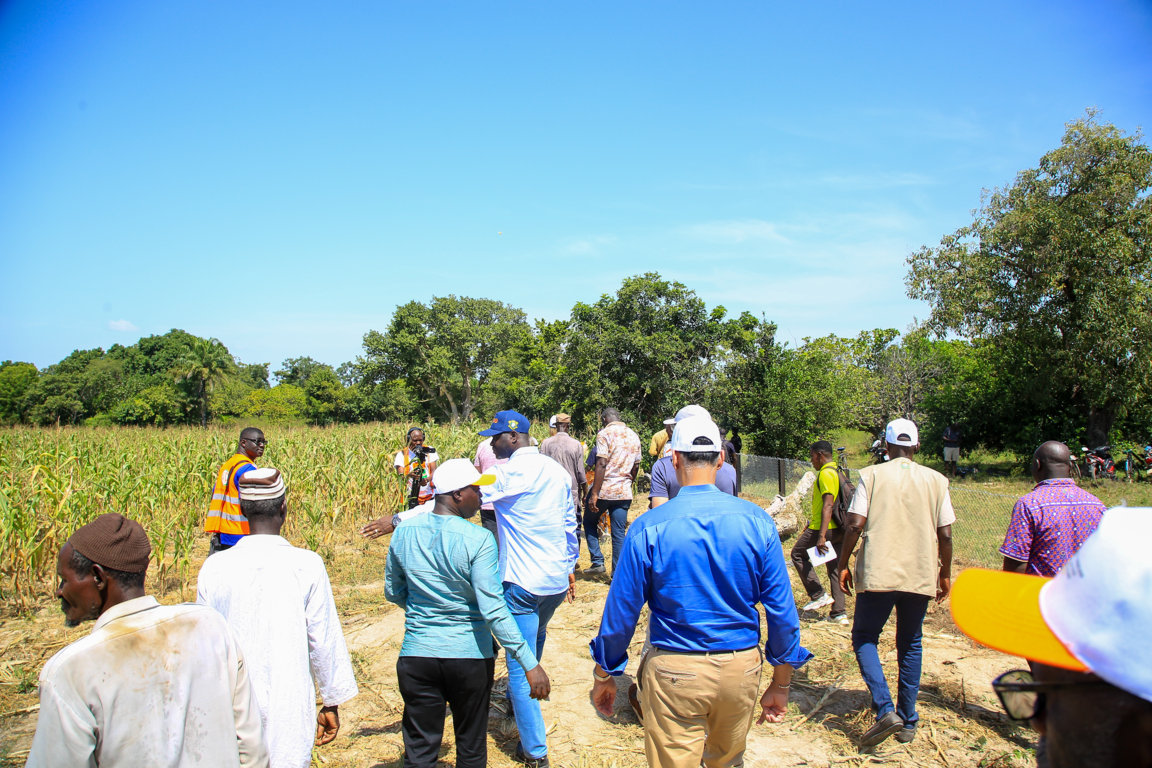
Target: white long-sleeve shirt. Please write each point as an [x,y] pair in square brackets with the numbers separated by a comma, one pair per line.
[158,685]
[278,601]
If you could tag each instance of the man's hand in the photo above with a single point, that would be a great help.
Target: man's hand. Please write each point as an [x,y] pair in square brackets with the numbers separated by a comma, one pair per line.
[327,725]
[774,704]
[846,580]
[943,587]
[822,544]
[593,502]
[380,527]
[538,682]
[571,587]
[604,696]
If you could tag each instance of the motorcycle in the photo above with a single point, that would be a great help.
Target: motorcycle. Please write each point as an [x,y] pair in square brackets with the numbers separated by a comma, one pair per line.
[1098,462]
[879,452]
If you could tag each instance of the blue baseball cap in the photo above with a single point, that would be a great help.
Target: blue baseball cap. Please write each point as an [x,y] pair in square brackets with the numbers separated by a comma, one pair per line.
[507,421]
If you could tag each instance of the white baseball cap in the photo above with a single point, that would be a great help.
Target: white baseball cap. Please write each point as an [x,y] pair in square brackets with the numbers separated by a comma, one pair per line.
[258,492]
[689,410]
[688,429]
[898,427]
[455,474]
[1095,616]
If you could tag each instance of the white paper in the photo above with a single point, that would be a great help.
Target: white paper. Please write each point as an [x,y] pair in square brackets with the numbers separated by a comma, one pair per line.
[819,559]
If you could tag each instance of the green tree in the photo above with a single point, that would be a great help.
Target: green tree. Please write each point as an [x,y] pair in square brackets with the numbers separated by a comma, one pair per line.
[16,379]
[203,365]
[297,370]
[324,397]
[444,351]
[1056,272]
[282,404]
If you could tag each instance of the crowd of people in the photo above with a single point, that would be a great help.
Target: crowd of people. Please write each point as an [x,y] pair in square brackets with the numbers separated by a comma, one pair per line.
[233,679]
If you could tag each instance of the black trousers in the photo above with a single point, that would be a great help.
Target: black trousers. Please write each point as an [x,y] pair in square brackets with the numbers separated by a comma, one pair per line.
[426,685]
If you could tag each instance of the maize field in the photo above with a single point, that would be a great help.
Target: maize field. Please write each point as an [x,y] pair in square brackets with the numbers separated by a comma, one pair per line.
[52,481]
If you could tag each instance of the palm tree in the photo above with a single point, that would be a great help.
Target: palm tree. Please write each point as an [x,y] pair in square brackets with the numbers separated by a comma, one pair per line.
[205,363]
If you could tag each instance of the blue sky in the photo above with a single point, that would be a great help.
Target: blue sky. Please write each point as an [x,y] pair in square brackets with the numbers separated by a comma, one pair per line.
[282,175]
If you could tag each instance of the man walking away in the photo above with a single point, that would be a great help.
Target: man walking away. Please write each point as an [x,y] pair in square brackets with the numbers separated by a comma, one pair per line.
[278,601]
[659,441]
[617,462]
[702,562]
[164,686]
[568,452]
[665,486]
[1089,690]
[905,514]
[442,571]
[820,532]
[951,448]
[532,497]
[225,521]
[1050,522]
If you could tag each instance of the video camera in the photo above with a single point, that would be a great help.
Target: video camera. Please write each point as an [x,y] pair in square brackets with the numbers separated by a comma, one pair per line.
[421,456]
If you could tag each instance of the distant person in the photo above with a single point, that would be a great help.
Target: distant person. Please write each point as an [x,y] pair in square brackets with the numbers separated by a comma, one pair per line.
[536,514]
[821,532]
[568,452]
[665,486]
[443,572]
[1050,522]
[617,462]
[951,448]
[699,683]
[278,601]
[159,685]
[905,515]
[1089,691]
[225,521]
[417,465]
[658,444]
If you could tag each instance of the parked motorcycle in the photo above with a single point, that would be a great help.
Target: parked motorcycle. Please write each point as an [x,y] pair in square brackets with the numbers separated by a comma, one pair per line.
[1098,462]
[879,452]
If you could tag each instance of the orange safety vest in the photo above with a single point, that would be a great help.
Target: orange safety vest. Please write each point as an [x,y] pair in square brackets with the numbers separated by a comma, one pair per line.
[421,495]
[224,514]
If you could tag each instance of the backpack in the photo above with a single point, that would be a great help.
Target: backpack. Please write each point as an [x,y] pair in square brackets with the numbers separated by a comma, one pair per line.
[843,498]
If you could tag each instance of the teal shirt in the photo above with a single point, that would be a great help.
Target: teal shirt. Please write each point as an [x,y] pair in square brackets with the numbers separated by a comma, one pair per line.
[442,571]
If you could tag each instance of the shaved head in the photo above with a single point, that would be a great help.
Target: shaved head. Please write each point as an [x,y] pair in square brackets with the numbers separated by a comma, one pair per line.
[1051,460]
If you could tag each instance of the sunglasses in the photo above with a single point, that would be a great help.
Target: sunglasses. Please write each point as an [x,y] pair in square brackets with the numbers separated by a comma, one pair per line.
[1023,698]
[257,442]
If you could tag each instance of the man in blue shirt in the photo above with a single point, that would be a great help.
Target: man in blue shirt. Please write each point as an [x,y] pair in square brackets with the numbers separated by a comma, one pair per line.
[536,520]
[442,571]
[702,562]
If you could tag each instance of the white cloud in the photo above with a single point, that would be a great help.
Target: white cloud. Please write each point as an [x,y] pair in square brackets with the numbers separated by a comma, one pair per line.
[735,231]
[122,325]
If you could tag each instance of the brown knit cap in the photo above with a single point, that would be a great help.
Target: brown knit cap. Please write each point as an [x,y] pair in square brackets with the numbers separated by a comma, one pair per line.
[115,542]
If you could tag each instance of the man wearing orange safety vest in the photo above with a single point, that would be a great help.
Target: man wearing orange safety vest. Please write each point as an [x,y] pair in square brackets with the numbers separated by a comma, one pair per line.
[225,521]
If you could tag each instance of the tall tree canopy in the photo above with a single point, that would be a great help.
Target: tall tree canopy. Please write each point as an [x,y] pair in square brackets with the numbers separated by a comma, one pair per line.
[1056,271]
[444,350]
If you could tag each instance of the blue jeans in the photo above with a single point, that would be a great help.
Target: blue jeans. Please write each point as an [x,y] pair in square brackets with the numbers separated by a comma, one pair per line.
[872,612]
[617,510]
[532,614]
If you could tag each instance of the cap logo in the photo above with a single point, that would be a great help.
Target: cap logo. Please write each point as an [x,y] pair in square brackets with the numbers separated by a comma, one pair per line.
[513,423]
[495,419]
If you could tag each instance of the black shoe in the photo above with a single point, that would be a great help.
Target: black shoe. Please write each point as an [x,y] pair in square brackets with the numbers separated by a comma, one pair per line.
[906,734]
[881,729]
[531,762]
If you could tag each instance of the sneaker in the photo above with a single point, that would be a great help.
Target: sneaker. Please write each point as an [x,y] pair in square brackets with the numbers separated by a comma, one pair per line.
[818,603]
[531,762]
[596,569]
[906,734]
[838,618]
[634,700]
[881,729]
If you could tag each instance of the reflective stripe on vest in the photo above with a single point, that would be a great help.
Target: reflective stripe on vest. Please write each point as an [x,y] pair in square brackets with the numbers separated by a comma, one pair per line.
[224,514]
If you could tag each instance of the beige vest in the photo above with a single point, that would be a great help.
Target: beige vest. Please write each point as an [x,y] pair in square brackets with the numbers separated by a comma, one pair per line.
[898,550]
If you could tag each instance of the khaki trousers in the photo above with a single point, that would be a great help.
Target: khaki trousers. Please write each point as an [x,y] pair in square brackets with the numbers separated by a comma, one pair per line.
[698,707]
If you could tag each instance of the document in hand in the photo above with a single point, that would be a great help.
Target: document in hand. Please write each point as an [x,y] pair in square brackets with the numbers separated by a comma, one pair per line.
[819,559]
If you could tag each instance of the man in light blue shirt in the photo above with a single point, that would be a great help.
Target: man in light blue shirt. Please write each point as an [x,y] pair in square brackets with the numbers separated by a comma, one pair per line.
[536,520]
[442,571]
[702,561]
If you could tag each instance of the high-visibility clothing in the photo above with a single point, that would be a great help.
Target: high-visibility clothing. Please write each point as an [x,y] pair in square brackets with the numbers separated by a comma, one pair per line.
[224,514]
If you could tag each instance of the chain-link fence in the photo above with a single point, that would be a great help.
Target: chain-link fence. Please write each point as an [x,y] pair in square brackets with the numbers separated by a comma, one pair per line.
[981,516]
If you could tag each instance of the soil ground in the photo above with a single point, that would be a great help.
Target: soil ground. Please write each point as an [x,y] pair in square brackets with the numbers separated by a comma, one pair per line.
[961,721]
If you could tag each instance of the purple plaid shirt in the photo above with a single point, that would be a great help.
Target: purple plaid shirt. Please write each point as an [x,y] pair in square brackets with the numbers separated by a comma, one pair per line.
[1049,523]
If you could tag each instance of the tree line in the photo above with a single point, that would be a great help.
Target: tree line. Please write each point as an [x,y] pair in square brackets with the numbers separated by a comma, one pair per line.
[1040,328]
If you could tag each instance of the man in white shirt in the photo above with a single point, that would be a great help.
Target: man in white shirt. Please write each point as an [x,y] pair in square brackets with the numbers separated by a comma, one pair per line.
[278,601]
[156,685]
[536,517]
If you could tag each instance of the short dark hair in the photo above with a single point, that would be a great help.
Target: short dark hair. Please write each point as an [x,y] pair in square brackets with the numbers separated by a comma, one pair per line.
[126,579]
[699,458]
[610,414]
[262,507]
[250,432]
[821,446]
